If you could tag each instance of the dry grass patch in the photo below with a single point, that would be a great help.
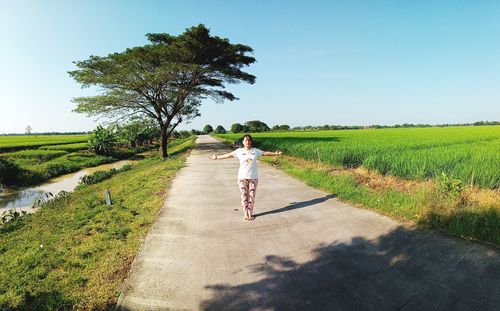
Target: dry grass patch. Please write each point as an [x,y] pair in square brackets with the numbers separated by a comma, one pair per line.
[364,177]
[377,181]
[483,198]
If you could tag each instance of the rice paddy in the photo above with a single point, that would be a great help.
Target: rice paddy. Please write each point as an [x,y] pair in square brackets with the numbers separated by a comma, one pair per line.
[31,159]
[470,154]
[19,142]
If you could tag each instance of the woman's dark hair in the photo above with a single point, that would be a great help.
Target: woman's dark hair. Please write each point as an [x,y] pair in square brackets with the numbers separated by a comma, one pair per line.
[249,137]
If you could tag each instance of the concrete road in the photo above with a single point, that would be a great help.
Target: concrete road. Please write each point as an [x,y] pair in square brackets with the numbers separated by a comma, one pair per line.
[304,251]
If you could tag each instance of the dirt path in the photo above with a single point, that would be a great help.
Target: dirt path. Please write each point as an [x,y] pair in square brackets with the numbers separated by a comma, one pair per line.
[304,251]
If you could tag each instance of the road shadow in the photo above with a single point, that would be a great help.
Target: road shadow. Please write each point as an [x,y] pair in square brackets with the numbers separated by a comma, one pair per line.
[215,146]
[402,270]
[296,205]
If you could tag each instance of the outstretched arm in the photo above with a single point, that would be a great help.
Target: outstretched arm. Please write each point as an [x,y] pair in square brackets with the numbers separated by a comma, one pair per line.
[222,156]
[269,153]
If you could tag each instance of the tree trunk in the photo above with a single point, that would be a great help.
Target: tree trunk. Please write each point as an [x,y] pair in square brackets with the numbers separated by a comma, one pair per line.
[163,142]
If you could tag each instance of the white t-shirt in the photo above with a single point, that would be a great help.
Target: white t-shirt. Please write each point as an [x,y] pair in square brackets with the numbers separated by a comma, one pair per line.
[248,162]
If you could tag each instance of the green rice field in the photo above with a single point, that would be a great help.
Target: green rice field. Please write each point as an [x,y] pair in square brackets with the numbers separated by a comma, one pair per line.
[19,142]
[471,154]
[28,160]
[66,147]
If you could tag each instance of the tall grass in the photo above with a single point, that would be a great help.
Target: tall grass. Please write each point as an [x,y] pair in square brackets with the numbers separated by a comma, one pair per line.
[471,154]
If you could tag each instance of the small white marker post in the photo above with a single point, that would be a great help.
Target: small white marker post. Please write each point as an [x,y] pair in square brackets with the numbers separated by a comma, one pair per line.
[107,196]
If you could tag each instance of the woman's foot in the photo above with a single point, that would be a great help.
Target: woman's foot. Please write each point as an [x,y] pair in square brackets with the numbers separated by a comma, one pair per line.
[248,216]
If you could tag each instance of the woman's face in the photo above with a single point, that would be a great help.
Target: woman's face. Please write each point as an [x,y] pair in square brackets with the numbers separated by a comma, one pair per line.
[247,143]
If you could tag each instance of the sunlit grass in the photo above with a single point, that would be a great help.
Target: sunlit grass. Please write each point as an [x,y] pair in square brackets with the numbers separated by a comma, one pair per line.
[75,251]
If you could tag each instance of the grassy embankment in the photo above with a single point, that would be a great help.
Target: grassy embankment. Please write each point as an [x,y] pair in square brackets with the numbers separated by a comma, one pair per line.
[399,172]
[75,251]
[45,157]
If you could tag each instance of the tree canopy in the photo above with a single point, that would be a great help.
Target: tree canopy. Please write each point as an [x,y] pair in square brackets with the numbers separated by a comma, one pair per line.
[220,130]
[164,80]
[236,128]
[257,126]
[208,129]
[283,127]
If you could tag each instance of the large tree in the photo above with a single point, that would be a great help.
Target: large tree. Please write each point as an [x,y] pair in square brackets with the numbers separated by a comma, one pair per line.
[257,126]
[164,80]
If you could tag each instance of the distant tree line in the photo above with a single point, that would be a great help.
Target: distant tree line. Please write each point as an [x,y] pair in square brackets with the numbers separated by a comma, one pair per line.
[45,133]
[257,126]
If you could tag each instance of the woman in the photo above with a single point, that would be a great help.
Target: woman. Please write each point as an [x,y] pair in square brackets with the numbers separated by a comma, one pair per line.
[248,177]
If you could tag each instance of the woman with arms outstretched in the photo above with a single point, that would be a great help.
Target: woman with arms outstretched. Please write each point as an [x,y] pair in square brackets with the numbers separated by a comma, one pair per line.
[248,176]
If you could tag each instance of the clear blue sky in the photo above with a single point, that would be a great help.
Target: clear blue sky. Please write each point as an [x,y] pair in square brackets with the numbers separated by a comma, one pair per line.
[322,62]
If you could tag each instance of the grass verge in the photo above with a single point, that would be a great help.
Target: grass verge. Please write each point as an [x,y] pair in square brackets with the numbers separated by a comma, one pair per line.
[470,213]
[75,251]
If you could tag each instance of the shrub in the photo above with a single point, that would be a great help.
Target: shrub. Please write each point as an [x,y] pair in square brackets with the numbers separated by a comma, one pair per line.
[180,134]
[102,175]
[102,141]
[449,185]
[96,177]
[184,134]
[8,171]
[59,168]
